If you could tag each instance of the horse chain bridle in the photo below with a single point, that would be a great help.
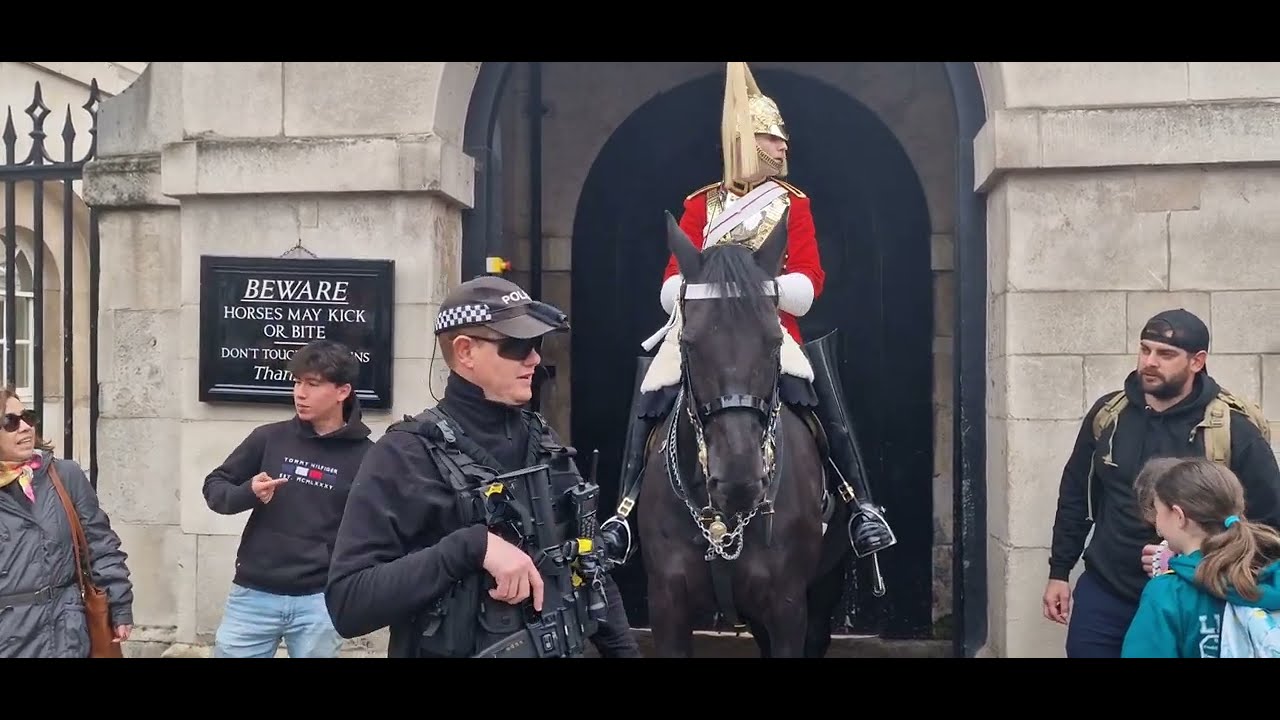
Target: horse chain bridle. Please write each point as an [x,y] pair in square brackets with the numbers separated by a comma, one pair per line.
[721,541]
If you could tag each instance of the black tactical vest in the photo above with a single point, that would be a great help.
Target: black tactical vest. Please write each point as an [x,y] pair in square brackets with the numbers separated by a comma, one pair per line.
[466,618]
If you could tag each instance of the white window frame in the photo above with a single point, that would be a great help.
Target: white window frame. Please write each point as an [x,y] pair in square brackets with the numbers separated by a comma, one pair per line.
[24,295]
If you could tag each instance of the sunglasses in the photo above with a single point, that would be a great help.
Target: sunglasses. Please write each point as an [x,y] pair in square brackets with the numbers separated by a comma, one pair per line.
[516,349]
[11,421]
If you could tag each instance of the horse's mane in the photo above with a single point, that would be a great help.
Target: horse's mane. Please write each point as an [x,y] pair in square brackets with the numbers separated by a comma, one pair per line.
[733,267]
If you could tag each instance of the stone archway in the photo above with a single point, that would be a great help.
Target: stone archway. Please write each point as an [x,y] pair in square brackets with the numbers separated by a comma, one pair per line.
[970,84]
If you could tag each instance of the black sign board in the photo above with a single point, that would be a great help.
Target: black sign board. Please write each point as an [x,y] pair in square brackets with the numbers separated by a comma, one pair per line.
[256,312]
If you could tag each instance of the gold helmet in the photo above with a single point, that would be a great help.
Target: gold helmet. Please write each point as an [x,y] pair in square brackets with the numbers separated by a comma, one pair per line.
[747,111]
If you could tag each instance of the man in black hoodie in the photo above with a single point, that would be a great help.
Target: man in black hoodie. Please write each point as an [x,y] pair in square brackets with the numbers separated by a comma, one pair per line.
[1166,399]
[293,476]
[403,545]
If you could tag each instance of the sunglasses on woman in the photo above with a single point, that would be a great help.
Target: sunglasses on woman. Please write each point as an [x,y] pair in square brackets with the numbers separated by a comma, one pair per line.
[11,420]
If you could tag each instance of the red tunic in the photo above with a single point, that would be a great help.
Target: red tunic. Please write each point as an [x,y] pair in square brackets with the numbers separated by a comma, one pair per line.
[802,243]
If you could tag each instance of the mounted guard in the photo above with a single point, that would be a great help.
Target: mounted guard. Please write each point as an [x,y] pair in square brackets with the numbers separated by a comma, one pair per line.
[743,208]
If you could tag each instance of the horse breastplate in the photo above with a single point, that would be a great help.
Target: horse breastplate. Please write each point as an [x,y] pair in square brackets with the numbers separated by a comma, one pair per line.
[753,230]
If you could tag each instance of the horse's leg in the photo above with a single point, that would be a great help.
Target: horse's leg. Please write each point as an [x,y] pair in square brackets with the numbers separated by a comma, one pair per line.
[827,587]
[787,623]
[670,616]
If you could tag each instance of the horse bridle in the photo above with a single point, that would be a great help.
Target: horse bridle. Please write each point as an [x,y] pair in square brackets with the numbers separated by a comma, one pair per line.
[722,541]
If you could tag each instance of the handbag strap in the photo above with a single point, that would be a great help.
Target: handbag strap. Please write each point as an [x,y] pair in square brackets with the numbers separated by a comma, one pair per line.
[80,544]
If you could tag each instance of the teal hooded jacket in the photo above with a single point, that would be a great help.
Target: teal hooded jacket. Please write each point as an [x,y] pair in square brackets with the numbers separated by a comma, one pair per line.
[1177,618]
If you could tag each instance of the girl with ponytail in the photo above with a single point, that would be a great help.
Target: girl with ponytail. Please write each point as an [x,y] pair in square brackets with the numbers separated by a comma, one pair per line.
[1220,595]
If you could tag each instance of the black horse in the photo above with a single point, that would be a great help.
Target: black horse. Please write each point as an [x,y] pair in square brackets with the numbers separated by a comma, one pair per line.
[731,509]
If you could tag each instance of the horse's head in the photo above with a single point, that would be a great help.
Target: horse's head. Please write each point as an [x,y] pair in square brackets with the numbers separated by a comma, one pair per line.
[730,344]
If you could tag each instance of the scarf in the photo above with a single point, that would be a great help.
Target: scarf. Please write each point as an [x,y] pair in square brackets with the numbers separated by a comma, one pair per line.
[22,472]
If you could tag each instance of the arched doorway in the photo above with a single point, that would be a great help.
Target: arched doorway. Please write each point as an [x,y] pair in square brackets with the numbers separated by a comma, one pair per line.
[873,229]
[969,589]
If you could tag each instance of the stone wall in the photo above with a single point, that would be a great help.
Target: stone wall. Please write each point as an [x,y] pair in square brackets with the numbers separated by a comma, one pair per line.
[1113,190]
[183,173]
[1102,213]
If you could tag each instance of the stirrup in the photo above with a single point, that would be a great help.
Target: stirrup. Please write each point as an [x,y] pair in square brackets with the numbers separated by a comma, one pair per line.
[624,528]
[868,515]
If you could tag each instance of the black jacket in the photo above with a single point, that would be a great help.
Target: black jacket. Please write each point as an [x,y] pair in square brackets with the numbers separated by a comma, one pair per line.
[287,542]
[402,544]
[1114,555]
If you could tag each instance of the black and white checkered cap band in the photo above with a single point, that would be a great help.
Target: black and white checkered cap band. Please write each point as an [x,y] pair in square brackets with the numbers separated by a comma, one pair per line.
[463,315]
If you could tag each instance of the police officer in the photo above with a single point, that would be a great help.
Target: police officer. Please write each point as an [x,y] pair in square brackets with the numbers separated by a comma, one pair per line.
[403,549]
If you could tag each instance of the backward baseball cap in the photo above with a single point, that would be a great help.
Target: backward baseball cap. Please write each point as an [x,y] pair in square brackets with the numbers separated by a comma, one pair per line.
[500,305]
[1179,328]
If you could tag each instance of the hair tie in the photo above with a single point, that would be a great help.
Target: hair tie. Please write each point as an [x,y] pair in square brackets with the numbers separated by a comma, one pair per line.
[1231,520]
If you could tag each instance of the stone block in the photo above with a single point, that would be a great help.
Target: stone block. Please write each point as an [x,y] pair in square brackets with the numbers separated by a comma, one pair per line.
[1104,374]
[138,378]
[998,476]
[216,558]
[943,379]
[1163,135]
[161,561]
[1142,306]
[1233,80]
[348,99]
[1044,387]
[339,165]
[145,116]
[138,470]
[1093,84]
[144,243]
[942,250]
[1229,243]
[418,232]
[1026,631]
[1037,450]
[258,89]
[1168,189]
[204,446]
[1243,322]
[1063,235]
[1241,374]
[944,302]
[1062,323]
[1270,397]
[998,240]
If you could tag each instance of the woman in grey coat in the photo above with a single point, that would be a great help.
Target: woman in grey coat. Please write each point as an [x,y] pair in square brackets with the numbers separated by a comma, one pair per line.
[41,610]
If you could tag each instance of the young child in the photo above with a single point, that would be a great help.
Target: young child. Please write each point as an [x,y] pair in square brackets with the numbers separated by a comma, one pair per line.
[1225,569]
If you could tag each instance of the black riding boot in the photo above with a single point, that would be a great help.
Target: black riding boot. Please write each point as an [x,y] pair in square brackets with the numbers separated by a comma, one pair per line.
[615,533]
[869,532]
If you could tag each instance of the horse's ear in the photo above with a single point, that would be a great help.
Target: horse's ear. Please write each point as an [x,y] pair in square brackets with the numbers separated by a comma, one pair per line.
[770,254]
[687,256]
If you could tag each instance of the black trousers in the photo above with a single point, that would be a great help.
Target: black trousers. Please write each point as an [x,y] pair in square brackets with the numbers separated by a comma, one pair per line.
[1099,620]
[614,638]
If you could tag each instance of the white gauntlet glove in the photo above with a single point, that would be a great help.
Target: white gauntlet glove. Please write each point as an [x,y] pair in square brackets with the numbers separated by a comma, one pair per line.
[795,293]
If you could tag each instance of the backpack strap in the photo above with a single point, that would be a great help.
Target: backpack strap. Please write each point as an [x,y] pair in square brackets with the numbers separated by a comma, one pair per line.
[1217,424]
[1106,417]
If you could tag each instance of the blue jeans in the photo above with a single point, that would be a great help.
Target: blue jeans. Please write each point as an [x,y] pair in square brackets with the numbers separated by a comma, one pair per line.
[254,622]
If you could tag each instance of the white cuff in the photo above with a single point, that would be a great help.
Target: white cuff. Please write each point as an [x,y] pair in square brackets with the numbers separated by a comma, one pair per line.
[670,289]
[795,293]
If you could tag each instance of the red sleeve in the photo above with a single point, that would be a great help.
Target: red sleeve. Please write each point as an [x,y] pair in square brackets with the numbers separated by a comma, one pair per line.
[692,222]
[802,245]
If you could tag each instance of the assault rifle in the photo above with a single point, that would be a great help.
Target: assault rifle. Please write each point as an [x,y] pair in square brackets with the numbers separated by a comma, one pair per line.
[522,502]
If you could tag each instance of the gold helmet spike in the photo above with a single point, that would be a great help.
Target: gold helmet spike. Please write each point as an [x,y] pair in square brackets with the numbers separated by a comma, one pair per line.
[747,111]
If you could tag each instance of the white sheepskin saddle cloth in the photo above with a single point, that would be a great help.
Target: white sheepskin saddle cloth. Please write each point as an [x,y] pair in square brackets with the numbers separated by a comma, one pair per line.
[665,371]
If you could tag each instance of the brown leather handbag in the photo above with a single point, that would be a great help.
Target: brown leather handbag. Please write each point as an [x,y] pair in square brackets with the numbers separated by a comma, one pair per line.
[97,613]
